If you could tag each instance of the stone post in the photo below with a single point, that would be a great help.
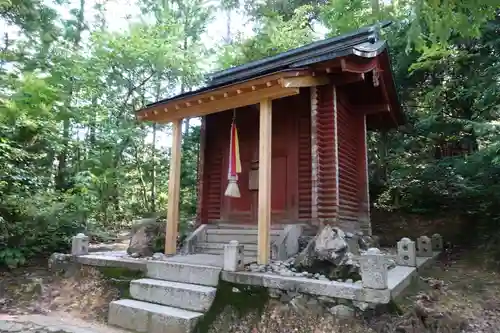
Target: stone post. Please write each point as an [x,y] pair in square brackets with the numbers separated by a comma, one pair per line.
[233,256]
[353,244]
[373,271]
[424,246]
[407,253]
[79,245]
[437,242]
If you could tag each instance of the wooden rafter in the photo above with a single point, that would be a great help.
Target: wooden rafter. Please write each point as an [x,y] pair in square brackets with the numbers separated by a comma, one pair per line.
[232,96]
[304,81]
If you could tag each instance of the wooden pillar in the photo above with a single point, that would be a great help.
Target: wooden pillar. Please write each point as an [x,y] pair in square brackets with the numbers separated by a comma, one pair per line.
[174,189]
[314,154]
[200,218]
[364,186]
[264,204]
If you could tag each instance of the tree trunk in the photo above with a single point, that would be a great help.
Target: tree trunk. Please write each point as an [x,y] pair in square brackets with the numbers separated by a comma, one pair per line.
[153,171]
[62,169]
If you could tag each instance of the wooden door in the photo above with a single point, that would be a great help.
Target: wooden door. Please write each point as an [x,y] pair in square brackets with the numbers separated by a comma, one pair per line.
[241,209]
[283,169]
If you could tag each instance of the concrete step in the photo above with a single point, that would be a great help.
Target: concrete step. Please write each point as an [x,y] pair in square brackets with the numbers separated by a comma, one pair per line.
[249,238]
[239,231]
[248,256]
[145,317]
[183,272]
[220,246]
[179,295]
[242,226]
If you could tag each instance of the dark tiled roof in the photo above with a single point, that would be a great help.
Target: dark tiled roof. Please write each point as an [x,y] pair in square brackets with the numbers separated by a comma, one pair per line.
[326,49]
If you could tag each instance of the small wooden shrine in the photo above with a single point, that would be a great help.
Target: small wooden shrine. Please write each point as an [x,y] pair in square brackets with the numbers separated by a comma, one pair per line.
[284,138]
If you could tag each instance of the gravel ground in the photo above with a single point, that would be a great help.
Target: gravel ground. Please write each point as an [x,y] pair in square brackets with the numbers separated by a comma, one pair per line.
[50,324]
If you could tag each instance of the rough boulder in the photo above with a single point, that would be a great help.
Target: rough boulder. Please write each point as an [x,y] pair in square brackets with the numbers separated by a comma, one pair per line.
[328,253]
[146,237]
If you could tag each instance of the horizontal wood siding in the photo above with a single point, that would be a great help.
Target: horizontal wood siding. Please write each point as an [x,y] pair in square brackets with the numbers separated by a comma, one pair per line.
[304,158]
[350,158]
[326,173]
[213,169]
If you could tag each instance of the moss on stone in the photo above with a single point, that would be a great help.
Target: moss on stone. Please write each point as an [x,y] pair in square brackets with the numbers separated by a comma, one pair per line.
[247,299]
[120,273]
[120,278]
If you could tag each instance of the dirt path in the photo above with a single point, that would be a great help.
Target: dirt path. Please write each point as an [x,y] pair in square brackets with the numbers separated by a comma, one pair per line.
[51,324]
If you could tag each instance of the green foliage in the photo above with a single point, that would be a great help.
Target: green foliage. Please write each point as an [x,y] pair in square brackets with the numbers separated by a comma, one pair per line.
[72,156]
[272,36]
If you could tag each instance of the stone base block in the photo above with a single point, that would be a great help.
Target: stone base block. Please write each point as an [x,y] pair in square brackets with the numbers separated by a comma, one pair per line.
[151,318]
[183,272]
[179,295]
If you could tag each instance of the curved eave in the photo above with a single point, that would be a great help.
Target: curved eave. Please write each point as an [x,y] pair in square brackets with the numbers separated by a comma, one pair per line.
[231,96]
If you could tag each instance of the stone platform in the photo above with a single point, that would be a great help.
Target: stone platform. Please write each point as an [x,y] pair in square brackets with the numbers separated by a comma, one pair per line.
[178,290]
[204,269]
[398,279]
[120,259]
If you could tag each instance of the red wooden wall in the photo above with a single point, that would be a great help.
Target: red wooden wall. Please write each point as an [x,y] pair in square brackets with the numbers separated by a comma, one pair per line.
[291,163]
[338,191]
[341,188]
[352,171]
[326,155]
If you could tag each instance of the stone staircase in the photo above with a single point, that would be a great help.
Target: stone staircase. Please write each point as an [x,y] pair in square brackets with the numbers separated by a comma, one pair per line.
[178,291]
[171,299]
[215,236]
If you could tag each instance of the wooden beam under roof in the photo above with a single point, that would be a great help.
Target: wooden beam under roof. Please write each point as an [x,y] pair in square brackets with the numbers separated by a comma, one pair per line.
[304,81]
[232,96]
[222,103]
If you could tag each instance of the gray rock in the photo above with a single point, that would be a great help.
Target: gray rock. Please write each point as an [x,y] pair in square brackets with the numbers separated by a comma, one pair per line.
[11,326]
[314,305]
[59,261]
[373,250]
[158,256]
[342,311]
[366,242]
[285,298]
[329,301]
[286,273]
[299,303]
[144,234]
[275,293]
[330,245]
[363,306]
[349,281]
